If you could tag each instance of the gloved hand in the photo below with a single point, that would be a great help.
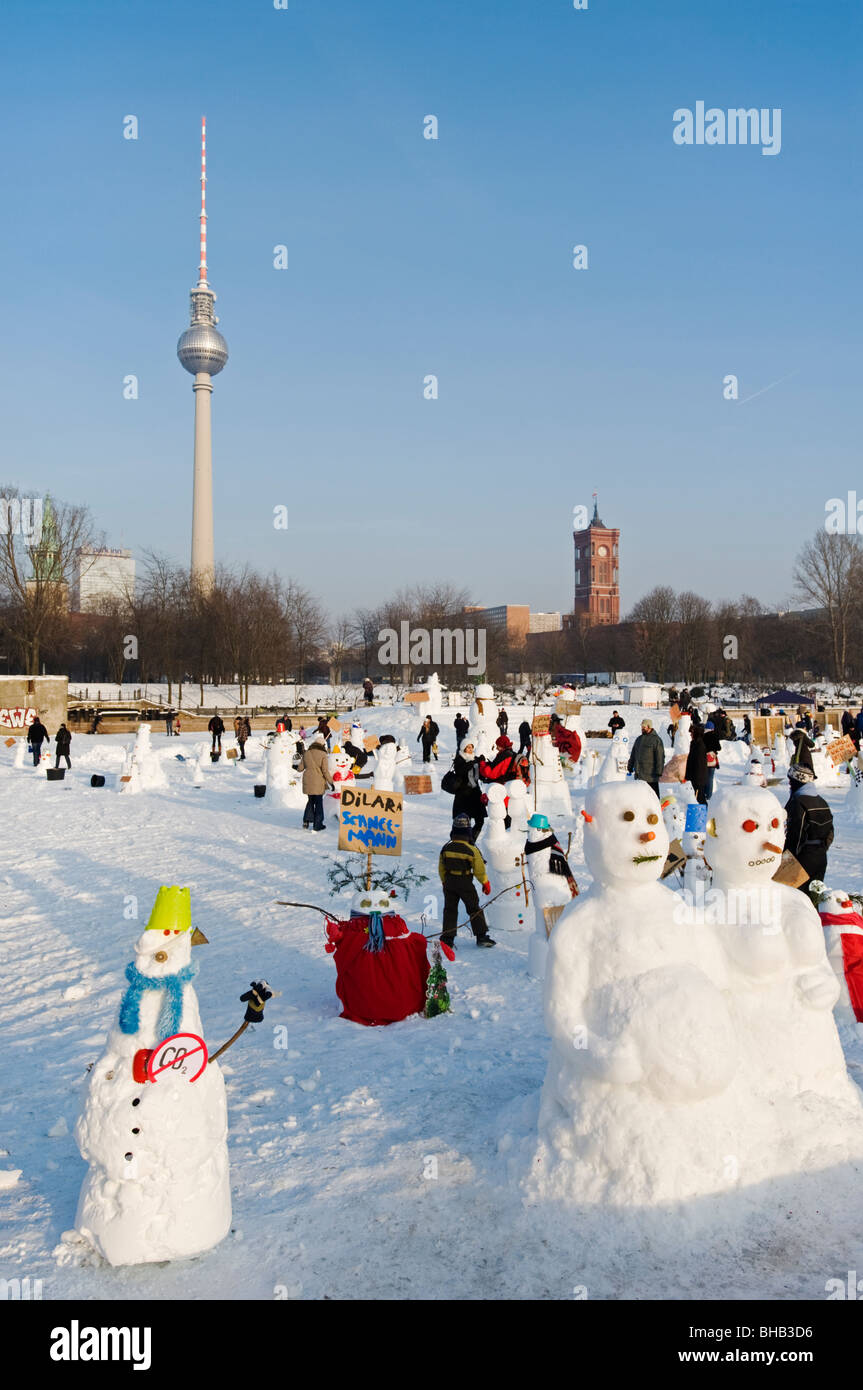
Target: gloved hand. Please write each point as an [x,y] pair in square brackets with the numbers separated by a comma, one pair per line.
[486,887]
[257,995]
[484,799]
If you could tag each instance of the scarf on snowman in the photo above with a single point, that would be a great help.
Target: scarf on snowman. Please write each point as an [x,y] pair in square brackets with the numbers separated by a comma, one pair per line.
[170,1012]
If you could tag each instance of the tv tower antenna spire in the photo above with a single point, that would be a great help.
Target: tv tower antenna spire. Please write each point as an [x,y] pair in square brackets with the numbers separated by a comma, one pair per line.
[203,352]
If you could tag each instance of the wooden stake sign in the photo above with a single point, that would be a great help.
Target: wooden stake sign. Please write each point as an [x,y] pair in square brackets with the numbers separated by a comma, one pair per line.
[841,750]
[416,697]
[541,724]
[564,707]
[370,820]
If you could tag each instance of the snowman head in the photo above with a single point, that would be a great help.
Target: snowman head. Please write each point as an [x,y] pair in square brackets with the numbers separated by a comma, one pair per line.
[166,944]
[496,798]
[746,834]
[382,900]
[625,839]
[484,692]
[836,901]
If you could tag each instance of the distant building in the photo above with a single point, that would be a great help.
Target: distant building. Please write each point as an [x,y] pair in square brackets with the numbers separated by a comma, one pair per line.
[511,619]
[597,589]
[544,622]
[101,574]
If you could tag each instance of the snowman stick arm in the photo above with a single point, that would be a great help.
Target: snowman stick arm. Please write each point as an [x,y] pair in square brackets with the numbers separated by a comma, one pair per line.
[477,911]
[313,907]
[242,1028]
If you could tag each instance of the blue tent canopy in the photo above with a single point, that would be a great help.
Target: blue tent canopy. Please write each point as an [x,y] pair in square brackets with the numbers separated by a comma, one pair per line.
[785,697]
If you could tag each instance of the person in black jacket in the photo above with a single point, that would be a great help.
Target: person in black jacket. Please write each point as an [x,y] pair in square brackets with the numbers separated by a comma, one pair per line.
[37,734]
[63,740]
[427,736]
[524,734]
[468,797]
[216,728]
[696,764]
[809,831]
[713,747]
[502,721]
[461,727]
[615,723]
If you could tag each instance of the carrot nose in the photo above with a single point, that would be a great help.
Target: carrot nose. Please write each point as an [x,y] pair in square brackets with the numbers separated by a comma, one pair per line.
[776,849]
[648,835]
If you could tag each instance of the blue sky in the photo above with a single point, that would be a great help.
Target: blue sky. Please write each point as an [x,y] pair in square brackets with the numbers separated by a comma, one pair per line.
[452,257]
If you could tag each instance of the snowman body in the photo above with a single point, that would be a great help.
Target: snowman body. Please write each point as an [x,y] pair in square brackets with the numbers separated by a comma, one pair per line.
[551,792]
[502,850]
[547,890]
[385,766]
[157,1187]
[782,986]
[143,767]
[402,766]
[519,807]
[284,782]
[482,717]
[638,1094]
[616,762]
[435,695]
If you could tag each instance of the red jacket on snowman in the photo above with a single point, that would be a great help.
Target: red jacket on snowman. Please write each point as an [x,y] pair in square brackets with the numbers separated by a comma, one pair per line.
[843,937]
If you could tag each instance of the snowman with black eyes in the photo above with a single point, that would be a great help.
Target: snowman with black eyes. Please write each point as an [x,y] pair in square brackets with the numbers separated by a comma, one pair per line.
[783,988]
[637,1098]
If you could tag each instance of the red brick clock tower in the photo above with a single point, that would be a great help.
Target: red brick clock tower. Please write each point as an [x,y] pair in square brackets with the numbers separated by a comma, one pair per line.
[597,590]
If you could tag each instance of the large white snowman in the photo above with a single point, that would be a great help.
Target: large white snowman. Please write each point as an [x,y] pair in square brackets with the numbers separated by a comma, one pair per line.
[638,1097]
[157,1187]
[385,766]
[482,717]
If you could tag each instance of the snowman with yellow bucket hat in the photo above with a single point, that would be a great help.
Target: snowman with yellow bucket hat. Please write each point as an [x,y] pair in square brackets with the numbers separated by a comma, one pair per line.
[154,1125]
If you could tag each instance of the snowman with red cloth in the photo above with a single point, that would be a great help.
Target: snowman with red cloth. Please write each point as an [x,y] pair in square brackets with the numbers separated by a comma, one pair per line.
[381,965]
[843,937]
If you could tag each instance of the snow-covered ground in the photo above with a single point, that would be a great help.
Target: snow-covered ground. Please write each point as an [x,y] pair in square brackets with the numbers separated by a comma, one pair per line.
[365,1162]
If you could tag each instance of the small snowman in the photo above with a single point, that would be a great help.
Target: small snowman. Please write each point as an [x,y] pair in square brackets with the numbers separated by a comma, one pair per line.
[616,762]
[552,887]
[551,793]
[157,1187]
[482,717]
[284,782]
[754,775]
[843,938]
[517,807]
[503,851]
[385,763]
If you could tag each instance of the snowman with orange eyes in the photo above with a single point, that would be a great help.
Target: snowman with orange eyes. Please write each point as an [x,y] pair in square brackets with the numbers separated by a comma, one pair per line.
[783,988]
[638,1098]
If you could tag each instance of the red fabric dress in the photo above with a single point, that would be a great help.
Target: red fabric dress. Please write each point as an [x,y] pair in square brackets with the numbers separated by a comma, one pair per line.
[378,987]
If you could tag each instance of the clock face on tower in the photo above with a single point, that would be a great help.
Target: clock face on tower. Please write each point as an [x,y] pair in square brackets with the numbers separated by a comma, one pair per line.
[603,550]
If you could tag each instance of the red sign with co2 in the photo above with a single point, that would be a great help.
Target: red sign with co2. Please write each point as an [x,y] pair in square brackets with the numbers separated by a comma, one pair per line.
[180,1055]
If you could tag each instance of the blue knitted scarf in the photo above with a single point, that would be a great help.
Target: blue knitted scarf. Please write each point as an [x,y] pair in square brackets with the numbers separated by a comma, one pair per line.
[376,940]
[170,1013]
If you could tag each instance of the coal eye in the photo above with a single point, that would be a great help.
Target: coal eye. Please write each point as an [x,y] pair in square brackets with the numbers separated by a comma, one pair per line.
[652,818]
[628,815]
[749,826]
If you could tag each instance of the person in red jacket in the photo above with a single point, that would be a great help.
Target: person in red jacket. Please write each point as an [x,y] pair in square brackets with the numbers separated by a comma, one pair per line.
[502,767]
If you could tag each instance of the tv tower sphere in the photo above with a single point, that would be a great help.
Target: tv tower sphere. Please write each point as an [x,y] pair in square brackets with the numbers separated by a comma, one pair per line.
[203,352]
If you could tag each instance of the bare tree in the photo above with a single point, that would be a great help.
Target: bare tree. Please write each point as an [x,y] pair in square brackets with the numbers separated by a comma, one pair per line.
[41,541]
[653,616]
[829,573]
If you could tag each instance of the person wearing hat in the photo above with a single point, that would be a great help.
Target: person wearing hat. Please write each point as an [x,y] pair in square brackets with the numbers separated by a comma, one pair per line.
[502,766]
[459,864]
[647,758]
[427,736]
[809,829]
[315,767]
[468,797]
[803,746]
[713,747]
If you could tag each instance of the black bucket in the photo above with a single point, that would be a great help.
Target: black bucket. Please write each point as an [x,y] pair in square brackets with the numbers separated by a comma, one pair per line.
[260,789]
[97,780]
[215,756]
[55,774]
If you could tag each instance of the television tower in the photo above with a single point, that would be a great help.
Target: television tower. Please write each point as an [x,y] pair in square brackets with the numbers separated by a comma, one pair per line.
[203,351]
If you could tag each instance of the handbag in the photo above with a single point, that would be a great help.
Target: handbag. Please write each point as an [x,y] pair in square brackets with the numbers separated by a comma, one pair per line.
[449,782]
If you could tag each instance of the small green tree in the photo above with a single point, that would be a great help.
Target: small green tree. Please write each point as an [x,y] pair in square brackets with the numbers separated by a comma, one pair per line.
[437,994]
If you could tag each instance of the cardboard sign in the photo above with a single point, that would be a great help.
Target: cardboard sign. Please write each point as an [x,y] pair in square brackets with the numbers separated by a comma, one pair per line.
[550,916]
[231,753]
[675,859]
[841,750]
[563,707]
[417,784]
[370,742]
[790,872]
[370,821]
[674,713]
[9,742]
[541,724]
[416,697]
